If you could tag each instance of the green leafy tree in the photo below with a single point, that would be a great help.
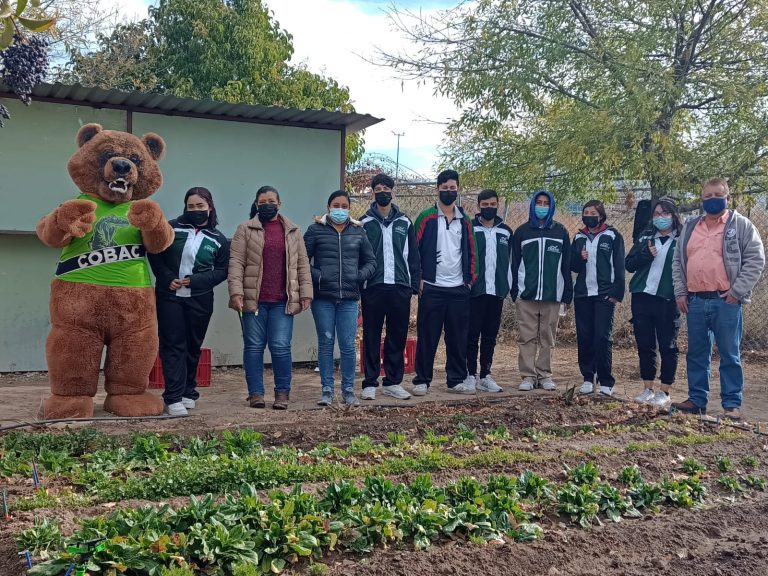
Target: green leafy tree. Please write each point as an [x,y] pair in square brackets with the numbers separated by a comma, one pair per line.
[230,51]
[577,94]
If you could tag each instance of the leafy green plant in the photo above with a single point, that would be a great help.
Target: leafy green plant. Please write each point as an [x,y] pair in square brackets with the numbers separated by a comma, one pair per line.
[531,485]
[242,442]
[646,496]
[184,571]
[684,492]
[318,569]
[433,439]
[693,467]
[41,539]
[583,473]
[755,482]
[580,502]
[613,504]
[499,433]
[724,464]
[464,435]
[751,461]
[396,439]
[630,476]
[361,445]
[730,483]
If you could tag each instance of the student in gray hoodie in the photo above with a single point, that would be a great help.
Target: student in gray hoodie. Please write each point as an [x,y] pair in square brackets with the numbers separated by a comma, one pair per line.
[718,260]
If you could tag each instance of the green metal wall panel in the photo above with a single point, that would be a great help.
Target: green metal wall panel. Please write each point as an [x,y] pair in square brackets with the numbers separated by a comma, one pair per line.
[35,145]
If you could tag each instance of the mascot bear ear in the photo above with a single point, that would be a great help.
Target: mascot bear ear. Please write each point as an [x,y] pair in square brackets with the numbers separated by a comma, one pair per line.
[86,133]
[155,145]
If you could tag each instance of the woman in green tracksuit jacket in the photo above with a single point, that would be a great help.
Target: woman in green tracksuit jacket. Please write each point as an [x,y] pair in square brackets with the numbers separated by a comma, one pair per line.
[597,257]
[187,272]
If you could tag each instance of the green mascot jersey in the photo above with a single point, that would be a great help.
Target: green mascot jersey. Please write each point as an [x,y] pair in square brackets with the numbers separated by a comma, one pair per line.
[111,254]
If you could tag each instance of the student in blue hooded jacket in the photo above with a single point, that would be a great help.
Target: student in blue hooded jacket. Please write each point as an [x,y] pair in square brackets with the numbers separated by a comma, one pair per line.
[541,283]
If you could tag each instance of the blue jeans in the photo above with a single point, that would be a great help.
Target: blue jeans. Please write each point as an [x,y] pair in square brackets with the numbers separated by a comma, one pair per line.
[270,326]
[714,320]
[335,318]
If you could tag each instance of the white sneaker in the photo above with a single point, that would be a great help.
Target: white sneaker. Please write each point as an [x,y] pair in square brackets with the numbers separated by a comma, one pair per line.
[420,389]
[368,393]
[587,388]
[645,396]
[488,384]
[547,384]
[605,391]
[527,384]
[396,391]
[465,387]
[660,399]
[189,404]
[176,409]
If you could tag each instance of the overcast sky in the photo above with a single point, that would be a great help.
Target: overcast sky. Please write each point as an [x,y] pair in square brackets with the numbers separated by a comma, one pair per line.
[334,37]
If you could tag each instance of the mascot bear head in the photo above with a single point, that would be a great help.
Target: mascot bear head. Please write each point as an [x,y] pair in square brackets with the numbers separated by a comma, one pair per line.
[116,166]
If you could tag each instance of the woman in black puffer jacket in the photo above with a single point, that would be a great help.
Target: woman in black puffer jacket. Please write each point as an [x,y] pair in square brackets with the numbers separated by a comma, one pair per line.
[341,259]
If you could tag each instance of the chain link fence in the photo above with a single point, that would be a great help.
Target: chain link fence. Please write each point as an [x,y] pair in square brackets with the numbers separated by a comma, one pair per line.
[621,216]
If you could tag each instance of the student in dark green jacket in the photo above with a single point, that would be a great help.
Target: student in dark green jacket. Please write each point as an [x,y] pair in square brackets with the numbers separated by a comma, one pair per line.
[597,257]
[386,296]
[541,283]
[187,272]
[655,317]
[493,242]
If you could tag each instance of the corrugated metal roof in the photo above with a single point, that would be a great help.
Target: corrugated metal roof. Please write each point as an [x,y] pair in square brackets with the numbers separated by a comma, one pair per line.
[172,105]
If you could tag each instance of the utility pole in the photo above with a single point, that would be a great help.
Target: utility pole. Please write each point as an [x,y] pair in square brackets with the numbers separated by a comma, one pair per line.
[397,156]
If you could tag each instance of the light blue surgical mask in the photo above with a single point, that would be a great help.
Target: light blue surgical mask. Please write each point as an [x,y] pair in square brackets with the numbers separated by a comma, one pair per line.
[662,222]
[541,212]
[339,215]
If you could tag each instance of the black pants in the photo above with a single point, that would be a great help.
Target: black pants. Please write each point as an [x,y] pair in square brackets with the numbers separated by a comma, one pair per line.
[390,304]
[442,308]
[484,323]
[594,336]
[655,320]
[182,323]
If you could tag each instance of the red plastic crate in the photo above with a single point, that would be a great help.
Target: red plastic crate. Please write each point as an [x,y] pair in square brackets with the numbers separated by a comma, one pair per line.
[156,379]
[409,356]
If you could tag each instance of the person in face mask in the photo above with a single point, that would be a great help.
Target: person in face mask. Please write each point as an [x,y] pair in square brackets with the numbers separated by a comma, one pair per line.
[269,283]
[597,258]
[448,271]
[186,273]
[341,260]
[493,239]
[386,297]
[655,317]
[718,260]
[541,283]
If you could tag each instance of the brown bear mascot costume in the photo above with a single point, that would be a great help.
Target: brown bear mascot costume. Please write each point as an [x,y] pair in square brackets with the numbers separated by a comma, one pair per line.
[102,294]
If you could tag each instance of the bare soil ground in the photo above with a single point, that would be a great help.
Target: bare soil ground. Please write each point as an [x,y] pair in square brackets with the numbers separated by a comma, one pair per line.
[727,536]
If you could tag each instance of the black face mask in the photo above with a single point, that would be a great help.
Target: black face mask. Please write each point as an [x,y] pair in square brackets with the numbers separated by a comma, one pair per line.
[267,211]
[196,217]
[591,221]
[448,197]
[383,198]
[488,213]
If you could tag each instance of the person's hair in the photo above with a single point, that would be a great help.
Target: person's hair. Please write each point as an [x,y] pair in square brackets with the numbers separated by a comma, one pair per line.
[338,193]
[486,194]
[388,181]
[259,192]
[205,194]
[446,175]
[668,205]
[717,181]
[597,205]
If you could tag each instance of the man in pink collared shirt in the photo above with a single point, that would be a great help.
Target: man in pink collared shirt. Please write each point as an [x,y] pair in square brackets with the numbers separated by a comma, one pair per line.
[717,262]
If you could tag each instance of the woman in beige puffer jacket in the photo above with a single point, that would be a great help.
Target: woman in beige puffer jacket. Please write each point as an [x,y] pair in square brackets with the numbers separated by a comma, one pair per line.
[269,282]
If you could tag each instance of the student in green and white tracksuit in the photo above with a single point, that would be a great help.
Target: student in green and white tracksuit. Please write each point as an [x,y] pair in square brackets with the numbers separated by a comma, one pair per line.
[541,282]
[187,272]
[493,242]
[597,257]
[655,316]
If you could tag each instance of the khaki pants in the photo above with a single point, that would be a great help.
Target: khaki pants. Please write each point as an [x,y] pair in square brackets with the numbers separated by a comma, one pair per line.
[536,328]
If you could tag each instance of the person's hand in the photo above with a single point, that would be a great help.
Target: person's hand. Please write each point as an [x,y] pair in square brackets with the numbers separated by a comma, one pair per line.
[652,250]
[567,306]
[612,300]
[729,299]
[185,281]
[175,284]
[236,302]
[305,303]
[584,254]
[682,304]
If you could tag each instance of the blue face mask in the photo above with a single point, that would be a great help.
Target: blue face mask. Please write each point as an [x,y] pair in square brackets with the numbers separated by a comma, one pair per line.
[714,205]
[541,212]
[662,222]
[339,215]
